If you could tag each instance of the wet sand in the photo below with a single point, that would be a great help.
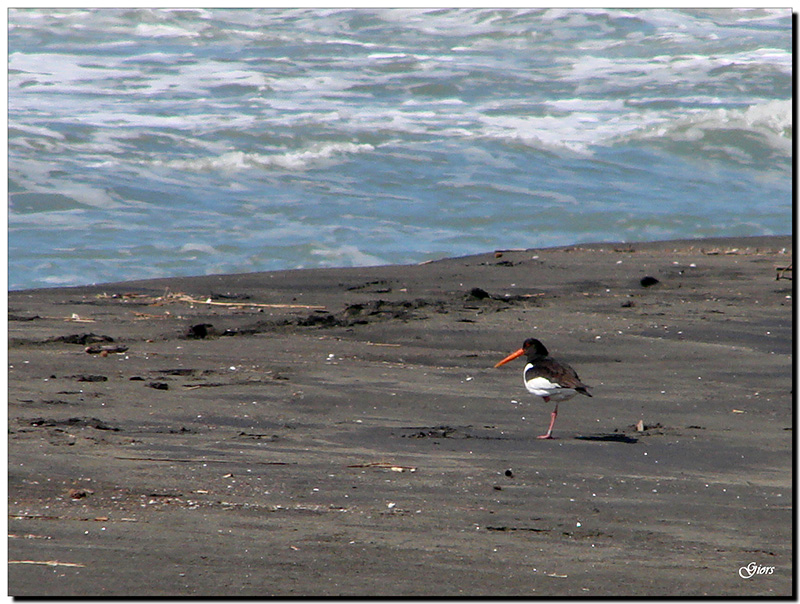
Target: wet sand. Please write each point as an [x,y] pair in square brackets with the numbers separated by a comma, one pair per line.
[344,432]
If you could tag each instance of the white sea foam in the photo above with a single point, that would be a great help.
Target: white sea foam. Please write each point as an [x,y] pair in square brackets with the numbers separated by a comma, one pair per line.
[345,255]
[316,156]
[315,137]
[62,220]
[54,69]
[160,30]
[62,279]
[37,131]
[203,248]
[770,122]
[568,135]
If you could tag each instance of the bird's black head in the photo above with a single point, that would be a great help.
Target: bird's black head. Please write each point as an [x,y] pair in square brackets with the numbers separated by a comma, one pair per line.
[534,348]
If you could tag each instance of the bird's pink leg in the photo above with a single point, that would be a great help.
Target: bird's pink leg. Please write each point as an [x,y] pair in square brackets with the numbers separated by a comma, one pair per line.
[553,417]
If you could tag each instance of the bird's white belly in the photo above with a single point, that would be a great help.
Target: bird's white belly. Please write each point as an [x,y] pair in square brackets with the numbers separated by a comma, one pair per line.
[540,386]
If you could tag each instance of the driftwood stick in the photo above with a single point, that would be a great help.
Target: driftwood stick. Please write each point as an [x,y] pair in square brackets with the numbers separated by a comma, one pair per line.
[189,299]
[47,563]
[781,270]
[169,296]
[385,465]
[190,460]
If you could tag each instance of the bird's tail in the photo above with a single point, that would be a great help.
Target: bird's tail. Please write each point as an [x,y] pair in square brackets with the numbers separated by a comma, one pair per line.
[583,390]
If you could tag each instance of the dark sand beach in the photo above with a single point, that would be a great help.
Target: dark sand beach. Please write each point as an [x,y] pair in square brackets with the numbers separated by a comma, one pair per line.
[343,431]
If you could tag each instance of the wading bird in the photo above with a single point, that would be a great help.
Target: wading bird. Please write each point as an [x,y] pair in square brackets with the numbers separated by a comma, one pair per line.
[546,377]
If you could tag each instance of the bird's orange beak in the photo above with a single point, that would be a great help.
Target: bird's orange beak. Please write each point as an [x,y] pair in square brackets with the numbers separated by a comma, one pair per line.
[511,357]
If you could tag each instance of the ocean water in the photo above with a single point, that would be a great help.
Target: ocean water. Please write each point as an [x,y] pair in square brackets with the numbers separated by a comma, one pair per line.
[147,143]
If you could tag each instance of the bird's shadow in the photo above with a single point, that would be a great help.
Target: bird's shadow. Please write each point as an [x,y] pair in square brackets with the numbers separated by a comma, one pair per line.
[613,437]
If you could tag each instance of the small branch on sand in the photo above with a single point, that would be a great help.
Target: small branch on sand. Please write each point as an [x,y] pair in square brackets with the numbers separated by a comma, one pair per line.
[71,319]
[190,460]
[146,316]
[190,300]
[781,270]
[33,517]
[47,563]
[169,297]
[77,319]
[384,465]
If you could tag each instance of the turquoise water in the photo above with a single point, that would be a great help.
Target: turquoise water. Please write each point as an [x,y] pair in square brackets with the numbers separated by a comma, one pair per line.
[148,143]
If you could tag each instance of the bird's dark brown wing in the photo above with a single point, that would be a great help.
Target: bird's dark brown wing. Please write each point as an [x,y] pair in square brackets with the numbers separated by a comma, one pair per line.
[560,373]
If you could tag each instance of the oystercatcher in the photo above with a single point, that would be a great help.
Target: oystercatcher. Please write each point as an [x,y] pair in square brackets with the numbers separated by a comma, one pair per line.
[546,377]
